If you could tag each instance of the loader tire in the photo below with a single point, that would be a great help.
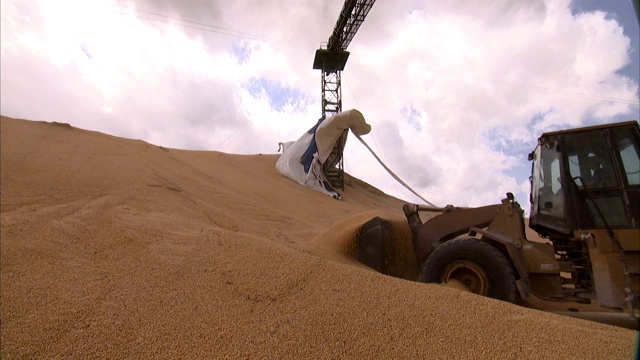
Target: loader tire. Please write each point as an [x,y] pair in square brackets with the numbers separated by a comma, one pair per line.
[482,268]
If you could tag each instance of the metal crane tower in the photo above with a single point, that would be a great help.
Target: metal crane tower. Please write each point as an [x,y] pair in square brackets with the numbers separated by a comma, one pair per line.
[332,61]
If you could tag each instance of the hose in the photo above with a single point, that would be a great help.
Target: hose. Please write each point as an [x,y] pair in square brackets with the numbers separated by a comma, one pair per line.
[391,172]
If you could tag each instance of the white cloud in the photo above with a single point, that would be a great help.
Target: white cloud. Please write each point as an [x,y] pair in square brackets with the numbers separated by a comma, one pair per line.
[456,92]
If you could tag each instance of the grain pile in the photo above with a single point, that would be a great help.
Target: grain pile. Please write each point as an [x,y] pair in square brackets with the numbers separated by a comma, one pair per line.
[114,248]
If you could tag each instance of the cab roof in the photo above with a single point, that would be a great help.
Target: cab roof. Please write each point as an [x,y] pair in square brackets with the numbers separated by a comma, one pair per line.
[594,127]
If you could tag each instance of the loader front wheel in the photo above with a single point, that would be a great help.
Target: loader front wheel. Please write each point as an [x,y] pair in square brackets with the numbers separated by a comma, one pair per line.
[480,267]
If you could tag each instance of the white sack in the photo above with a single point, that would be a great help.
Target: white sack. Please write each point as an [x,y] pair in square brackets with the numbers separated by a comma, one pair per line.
[326,134]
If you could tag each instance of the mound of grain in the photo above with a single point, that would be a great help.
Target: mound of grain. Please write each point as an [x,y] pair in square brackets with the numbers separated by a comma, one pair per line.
[114,248]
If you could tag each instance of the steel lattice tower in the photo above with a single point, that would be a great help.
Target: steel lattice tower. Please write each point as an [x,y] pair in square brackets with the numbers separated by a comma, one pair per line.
[331,61]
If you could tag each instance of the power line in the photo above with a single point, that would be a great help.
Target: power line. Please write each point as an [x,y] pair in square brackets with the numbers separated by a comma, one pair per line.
[229,32]
[211,28]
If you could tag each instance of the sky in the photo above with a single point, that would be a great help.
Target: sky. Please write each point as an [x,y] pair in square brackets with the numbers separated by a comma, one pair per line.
[456,92]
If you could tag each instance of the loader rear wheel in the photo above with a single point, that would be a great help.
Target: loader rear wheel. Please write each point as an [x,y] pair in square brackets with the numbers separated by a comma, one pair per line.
[482,268]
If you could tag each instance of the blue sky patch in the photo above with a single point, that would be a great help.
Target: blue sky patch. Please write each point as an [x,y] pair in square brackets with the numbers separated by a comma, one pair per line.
[621,11]
[412,116]
[242,51]
[279,96]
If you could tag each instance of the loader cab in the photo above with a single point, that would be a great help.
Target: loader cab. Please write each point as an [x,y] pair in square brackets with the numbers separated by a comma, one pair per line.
[587,178]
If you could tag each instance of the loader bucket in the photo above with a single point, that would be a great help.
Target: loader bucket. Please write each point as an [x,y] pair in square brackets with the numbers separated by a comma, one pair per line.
[386,246]
[370,249]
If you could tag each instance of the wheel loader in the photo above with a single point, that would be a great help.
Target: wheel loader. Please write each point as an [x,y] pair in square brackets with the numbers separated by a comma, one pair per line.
[585,205]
